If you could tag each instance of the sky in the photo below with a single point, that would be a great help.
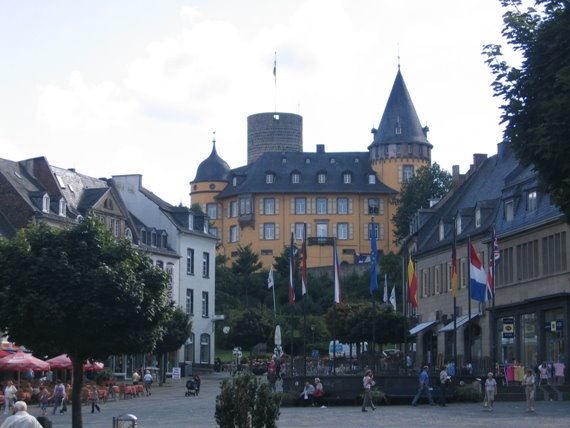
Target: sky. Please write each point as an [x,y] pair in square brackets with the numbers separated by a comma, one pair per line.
[113,87]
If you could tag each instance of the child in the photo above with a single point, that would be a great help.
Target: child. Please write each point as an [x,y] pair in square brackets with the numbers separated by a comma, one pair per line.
[44,400]
[490,391]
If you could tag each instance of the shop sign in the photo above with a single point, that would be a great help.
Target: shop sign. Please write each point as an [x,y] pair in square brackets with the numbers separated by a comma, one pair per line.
[557,325]
[508,328]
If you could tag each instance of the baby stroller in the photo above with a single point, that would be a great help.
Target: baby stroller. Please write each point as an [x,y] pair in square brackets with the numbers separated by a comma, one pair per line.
[192,387]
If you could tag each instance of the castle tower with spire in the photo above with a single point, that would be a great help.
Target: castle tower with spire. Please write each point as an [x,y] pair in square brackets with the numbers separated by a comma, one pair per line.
[400,144]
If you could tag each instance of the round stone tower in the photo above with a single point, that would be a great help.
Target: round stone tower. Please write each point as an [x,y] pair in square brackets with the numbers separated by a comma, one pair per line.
[273,132]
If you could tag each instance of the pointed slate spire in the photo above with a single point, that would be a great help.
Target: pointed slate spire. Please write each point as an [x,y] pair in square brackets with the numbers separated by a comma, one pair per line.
[400,122]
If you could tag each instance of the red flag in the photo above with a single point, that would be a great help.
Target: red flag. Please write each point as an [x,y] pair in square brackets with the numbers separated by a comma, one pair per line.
[413,284]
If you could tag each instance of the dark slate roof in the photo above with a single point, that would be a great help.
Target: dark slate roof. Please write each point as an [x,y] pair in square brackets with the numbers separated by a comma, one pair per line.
[6,229]
[399,113]
[499,178]
[214,168]
[252,178]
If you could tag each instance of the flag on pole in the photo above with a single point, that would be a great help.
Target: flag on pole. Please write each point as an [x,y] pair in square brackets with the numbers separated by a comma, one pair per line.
[373,261]
[270,283]
[412,284]
[490,282]
[477,276]
[304,262]
[291,272]
[454,269]
[385,288]
[496,251]
[275,68]
[337,292]
[393,297]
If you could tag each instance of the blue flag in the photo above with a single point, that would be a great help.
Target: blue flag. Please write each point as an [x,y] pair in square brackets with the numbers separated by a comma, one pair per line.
[373,255]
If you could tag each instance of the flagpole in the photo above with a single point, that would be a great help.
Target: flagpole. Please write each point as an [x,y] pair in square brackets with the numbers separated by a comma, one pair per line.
[494,277]
[373,286]
[454,290]
[291,293]
[405,312]
[468,325]
[275,79]
[305,291]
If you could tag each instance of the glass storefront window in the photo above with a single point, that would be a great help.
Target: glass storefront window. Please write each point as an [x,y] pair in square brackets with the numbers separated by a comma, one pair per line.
[554,335]
[529,340]
[506,338]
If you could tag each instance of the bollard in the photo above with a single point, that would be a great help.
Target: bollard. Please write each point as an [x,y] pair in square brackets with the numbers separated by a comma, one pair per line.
[125,421]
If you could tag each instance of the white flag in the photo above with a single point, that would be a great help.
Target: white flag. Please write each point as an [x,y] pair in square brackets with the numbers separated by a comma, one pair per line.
[270,283]
[393,297]
[385,288]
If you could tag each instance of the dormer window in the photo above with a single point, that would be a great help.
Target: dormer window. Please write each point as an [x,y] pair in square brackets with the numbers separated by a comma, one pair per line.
[478,217]
[321,178]
[269,178]
[371,179]
[191,221]
[283,160]
[332,160]
[509,210]
[532,201]
[234,181]
[356,160]
[45,203]
[143,236]
[441,230]
[128,234]
[295,178]
[62,208]
[307,160]
[398,130]
[347,178]
[458,225]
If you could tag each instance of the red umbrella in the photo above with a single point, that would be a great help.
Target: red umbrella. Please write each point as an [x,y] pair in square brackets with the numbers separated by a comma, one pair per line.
[61,362]
[21,362]
[94,366]
[4,353]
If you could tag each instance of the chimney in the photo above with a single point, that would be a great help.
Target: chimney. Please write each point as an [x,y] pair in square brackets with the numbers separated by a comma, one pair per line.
[478,159]
[320,148]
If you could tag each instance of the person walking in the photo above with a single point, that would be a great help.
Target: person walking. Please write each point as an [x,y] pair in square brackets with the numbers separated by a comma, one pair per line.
[367,384]
[94,397]
[529,382]
[21,419]
[58,396]
[423,387]
[44,400]
[444,381]
[9,396]
[318,393]
[148,383]
[490,391]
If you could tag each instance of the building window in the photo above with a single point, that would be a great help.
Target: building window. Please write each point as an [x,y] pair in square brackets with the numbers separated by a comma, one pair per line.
[269,231]
[300,206]
[441,230]
[213,231]
[342,231]
[295,178]
[373,206]
[410,150]
[189,349]
[321,205]
[554,253]
[269,178]
[299,231]
[532,201]
[321,178]
[191,221]
[212,210]
[342,206]
[233,234]
[386,150]
[269,206]
[62,208]
[373,227]
[152,236]
[322,230]
[205,304]
[45,204]
[509,210]
[204,348]
[143,236]
[114,227]
[129,234]
[190,301]
[407,173]
[398,131]
[398,146]
[478,217]
[164,240]
[381,231]
[371,179]
[234,181]
[244,206]
[347,178]
[233,209]
[458,225]
[190,261]
[206,265]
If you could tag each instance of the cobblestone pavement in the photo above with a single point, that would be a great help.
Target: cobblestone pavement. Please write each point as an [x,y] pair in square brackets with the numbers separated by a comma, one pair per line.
[168,407]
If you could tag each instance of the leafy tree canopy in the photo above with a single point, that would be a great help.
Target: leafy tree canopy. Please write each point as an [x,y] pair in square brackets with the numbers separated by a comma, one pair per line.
[536,94]
[430,182]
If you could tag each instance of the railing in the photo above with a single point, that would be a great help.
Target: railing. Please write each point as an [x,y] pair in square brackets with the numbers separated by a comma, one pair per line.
[321,240]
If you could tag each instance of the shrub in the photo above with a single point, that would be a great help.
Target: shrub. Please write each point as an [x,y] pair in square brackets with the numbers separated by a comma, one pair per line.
[245,403]
[468,393]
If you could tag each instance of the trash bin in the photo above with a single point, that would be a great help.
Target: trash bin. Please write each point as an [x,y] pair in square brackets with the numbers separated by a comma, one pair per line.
[189,369]
[125,421]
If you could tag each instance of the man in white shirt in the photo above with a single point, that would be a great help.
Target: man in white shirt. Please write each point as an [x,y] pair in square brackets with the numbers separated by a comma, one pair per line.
[147,378]
[21,419]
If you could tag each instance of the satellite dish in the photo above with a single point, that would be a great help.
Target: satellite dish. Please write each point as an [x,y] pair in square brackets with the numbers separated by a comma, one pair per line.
[226,329]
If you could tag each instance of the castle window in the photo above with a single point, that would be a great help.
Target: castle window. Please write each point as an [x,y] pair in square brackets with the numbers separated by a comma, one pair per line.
[295,178]
[233,209]
[321,205]
[269,178]
[322,230]
[532,201]
[332,160]
[300,206]
[269,231]
[407,173]
[268,206]
[212,210]
[398,130]
[509,210]
[373,206]
[45,203]
[307,160]
[244,206]
[347,178]
[371,179]
[233,234]
[234,181]
[321,178]
[342,231]
[299,231]
[342,206]
[356,160]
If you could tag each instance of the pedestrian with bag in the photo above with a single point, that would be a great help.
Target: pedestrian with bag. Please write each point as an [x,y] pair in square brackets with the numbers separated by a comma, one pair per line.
[423,387]
[444,381]
[367,383]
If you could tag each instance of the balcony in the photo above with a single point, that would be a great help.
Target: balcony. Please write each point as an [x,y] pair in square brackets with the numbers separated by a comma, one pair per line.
[321,240]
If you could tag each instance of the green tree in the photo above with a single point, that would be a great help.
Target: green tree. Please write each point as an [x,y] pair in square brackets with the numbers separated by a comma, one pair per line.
[250,328]
[537,93]
[244,266]
[80,292]
[430,182]
[177,330]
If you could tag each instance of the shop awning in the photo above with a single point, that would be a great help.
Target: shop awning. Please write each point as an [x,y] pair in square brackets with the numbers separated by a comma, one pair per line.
[421,327]
[460,321]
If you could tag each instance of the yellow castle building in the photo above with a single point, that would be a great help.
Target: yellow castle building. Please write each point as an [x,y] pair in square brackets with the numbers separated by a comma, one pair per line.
[285,190]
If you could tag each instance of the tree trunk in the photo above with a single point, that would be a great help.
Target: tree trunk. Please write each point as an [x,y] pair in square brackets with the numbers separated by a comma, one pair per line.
[76,420]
